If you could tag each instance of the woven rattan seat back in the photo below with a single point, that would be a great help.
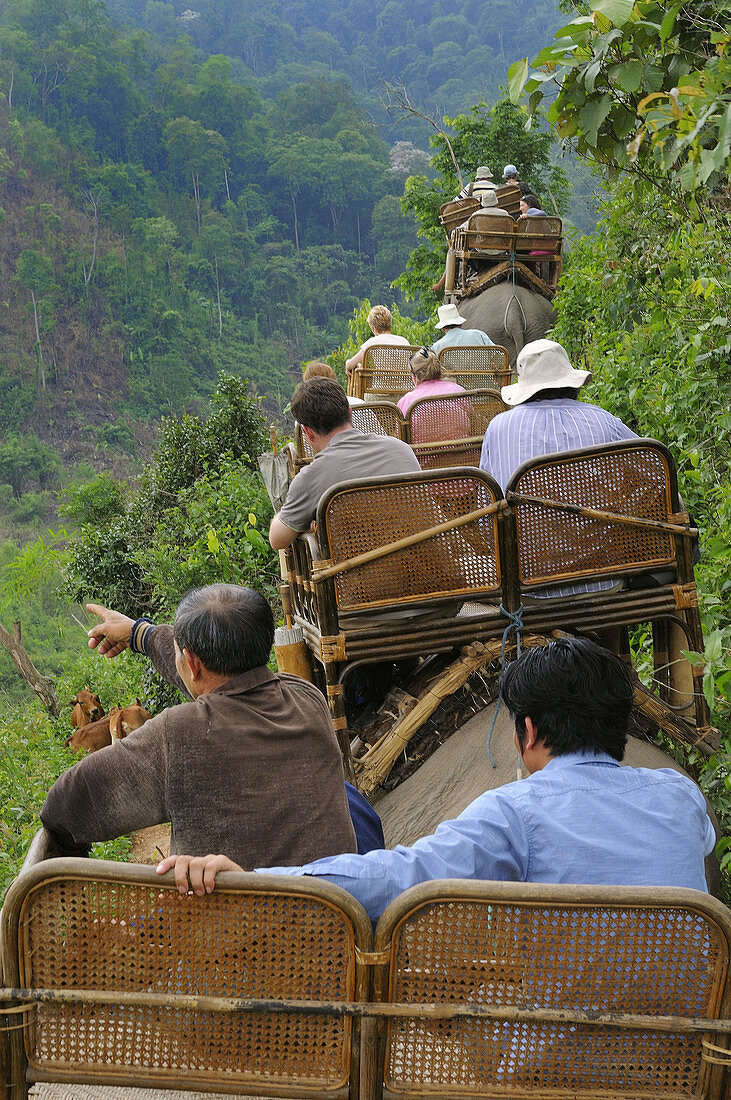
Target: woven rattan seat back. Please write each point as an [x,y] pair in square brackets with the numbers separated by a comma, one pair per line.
[508,198]
[97,927]
[476,367]
[532,948]
[384,372]
[302,445]
[452,214]
[365,516]
[539,233]
[448,430]
[488,231]
[379,417]
[635,478]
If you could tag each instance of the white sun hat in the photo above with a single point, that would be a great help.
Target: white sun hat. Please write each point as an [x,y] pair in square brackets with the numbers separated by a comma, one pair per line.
[449,315]
[542,365]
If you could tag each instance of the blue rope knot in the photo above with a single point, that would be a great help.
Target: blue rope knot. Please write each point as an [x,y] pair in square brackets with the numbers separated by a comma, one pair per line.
[515,623]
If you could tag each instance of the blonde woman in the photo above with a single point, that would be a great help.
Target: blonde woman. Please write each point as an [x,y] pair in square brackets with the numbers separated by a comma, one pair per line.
[428,382]
[379,322]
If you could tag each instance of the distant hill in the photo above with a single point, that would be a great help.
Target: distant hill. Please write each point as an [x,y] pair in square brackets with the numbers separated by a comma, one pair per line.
[449,57]
[185,190]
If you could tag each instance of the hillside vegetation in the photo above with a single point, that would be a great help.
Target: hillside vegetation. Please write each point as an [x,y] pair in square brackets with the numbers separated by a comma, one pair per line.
[217,189]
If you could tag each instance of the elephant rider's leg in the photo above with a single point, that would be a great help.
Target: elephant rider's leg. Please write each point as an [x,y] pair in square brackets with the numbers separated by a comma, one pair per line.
[446,283]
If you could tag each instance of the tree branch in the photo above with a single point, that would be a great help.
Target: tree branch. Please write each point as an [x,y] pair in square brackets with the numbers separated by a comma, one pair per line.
[397,99]
[42,686]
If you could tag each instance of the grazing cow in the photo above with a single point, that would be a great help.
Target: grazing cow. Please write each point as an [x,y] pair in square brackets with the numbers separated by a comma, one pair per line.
[87,707]
[92,736]
[117,724]
[125,720]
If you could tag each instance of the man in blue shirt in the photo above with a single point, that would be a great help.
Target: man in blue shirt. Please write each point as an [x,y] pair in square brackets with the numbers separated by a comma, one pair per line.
[578,817]
[545,414]
[451,322]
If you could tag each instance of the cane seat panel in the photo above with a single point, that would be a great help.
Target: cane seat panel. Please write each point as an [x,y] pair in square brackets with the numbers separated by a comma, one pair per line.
[630,479]
[366,516]
[448,430]
[122,929]
[529,947]
[384,372]
[378,417]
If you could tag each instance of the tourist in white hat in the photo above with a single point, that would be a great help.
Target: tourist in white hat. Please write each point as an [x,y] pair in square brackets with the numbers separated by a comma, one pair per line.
[451,323]
[545,414]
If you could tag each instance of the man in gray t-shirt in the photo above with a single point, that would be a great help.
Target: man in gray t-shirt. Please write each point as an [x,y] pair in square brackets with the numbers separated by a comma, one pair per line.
[341,454]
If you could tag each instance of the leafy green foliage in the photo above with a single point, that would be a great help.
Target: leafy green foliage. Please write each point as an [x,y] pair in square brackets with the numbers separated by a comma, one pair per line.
[95,502]
[193,519]
[26,463]
[644,85]
[644,306]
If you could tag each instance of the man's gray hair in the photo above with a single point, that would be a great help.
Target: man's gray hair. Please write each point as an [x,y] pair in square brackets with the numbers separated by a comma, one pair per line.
[229,628]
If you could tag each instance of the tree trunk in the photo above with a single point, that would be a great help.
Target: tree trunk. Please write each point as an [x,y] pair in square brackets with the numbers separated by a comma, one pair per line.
[197,197]
[41,364]
[43,687]
[91,199]
[218,300]
[294,211]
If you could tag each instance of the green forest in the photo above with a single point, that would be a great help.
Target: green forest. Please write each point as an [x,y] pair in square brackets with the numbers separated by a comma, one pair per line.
[195,201]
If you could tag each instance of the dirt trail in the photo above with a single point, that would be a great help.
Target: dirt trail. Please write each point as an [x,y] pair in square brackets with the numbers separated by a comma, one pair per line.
[146,841]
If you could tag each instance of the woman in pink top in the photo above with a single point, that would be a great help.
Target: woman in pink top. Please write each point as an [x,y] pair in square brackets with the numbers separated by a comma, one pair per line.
[428,382]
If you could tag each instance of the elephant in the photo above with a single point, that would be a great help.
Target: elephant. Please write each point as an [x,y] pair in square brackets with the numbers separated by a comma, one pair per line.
[510,315]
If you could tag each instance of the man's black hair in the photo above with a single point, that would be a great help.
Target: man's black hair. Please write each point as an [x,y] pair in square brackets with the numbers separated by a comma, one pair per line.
[229,628]
[553,394]
[578,694]
[320,404]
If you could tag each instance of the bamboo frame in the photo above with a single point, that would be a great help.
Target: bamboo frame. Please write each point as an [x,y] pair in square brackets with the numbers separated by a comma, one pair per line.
[333,644]
[376,959]
[390,1010]
[324,570]
[595,513]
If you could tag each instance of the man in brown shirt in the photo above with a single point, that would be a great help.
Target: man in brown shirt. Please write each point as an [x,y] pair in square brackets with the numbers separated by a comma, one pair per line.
[250,767]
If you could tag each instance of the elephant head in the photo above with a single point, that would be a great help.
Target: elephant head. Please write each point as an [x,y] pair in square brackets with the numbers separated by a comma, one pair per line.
[510,315]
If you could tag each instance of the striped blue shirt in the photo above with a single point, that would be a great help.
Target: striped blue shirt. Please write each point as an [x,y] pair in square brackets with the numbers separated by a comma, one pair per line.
[545,427]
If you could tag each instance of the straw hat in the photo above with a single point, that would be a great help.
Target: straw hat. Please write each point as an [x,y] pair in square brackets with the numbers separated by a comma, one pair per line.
[449,315]
[542,365]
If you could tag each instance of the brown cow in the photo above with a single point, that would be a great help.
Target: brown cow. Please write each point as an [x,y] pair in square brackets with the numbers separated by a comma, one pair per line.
[87,707]
[126,720]
[117,724]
